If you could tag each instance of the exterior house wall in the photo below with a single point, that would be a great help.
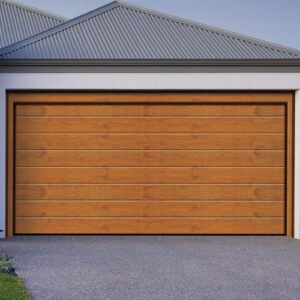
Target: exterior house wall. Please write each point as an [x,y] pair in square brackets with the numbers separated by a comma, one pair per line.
[148,81]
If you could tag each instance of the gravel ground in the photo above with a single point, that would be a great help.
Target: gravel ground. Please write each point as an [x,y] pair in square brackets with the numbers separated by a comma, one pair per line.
[157,267]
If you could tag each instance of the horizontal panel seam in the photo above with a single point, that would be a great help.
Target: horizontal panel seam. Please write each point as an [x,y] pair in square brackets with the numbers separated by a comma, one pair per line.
[170,218]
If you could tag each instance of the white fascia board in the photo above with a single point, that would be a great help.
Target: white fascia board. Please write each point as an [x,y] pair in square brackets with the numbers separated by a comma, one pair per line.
[146,81]
[152,81]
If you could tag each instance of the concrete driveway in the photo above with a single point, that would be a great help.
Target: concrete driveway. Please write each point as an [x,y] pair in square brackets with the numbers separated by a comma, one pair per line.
[157,267]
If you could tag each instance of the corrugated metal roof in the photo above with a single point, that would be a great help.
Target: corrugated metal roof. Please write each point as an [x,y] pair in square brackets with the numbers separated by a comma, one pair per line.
[18,22]
[121,31]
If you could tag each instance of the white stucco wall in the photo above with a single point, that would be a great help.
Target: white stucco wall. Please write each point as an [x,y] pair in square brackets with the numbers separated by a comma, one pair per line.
[147,81]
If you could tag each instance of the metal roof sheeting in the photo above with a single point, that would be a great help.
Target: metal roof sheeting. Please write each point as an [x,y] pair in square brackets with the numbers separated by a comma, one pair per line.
[121,31]
[18,22]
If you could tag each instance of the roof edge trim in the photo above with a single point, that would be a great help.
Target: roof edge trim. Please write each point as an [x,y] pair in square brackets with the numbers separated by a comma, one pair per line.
[75,62]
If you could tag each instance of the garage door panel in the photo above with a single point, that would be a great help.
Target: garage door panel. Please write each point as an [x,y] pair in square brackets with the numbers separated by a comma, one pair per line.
[149,209]
[64,110]
[150,141]
[29,225]
[153,98]
[167,158]
[150,125]
[150,175]
[150,168]
[150,192]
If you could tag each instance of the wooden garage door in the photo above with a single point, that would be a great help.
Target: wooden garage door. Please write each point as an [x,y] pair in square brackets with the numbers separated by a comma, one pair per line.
[207,168]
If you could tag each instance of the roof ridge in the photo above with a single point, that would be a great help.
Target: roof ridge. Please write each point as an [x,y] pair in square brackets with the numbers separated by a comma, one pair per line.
[35,10]
[183,21]
[58,28]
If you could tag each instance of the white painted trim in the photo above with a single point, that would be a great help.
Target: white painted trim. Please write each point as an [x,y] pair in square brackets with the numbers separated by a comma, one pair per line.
[2,162]
[146,81]
[297,167]
[153,81]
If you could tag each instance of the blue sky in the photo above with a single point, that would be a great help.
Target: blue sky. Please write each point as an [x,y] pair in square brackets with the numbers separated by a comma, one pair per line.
[274,20]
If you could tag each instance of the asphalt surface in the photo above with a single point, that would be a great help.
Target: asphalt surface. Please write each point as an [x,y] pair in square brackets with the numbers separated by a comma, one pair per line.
[157,267]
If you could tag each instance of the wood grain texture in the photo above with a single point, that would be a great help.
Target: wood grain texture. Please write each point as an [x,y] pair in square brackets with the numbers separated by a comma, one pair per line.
[152,97]
[209,163]
[149,209]
[179,225]
[150,125]
[163,175]
[143,110]
[134,158]
[148,192]
[150,141]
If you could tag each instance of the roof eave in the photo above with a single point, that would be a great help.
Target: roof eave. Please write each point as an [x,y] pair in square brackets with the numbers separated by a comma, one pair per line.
[152,62]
